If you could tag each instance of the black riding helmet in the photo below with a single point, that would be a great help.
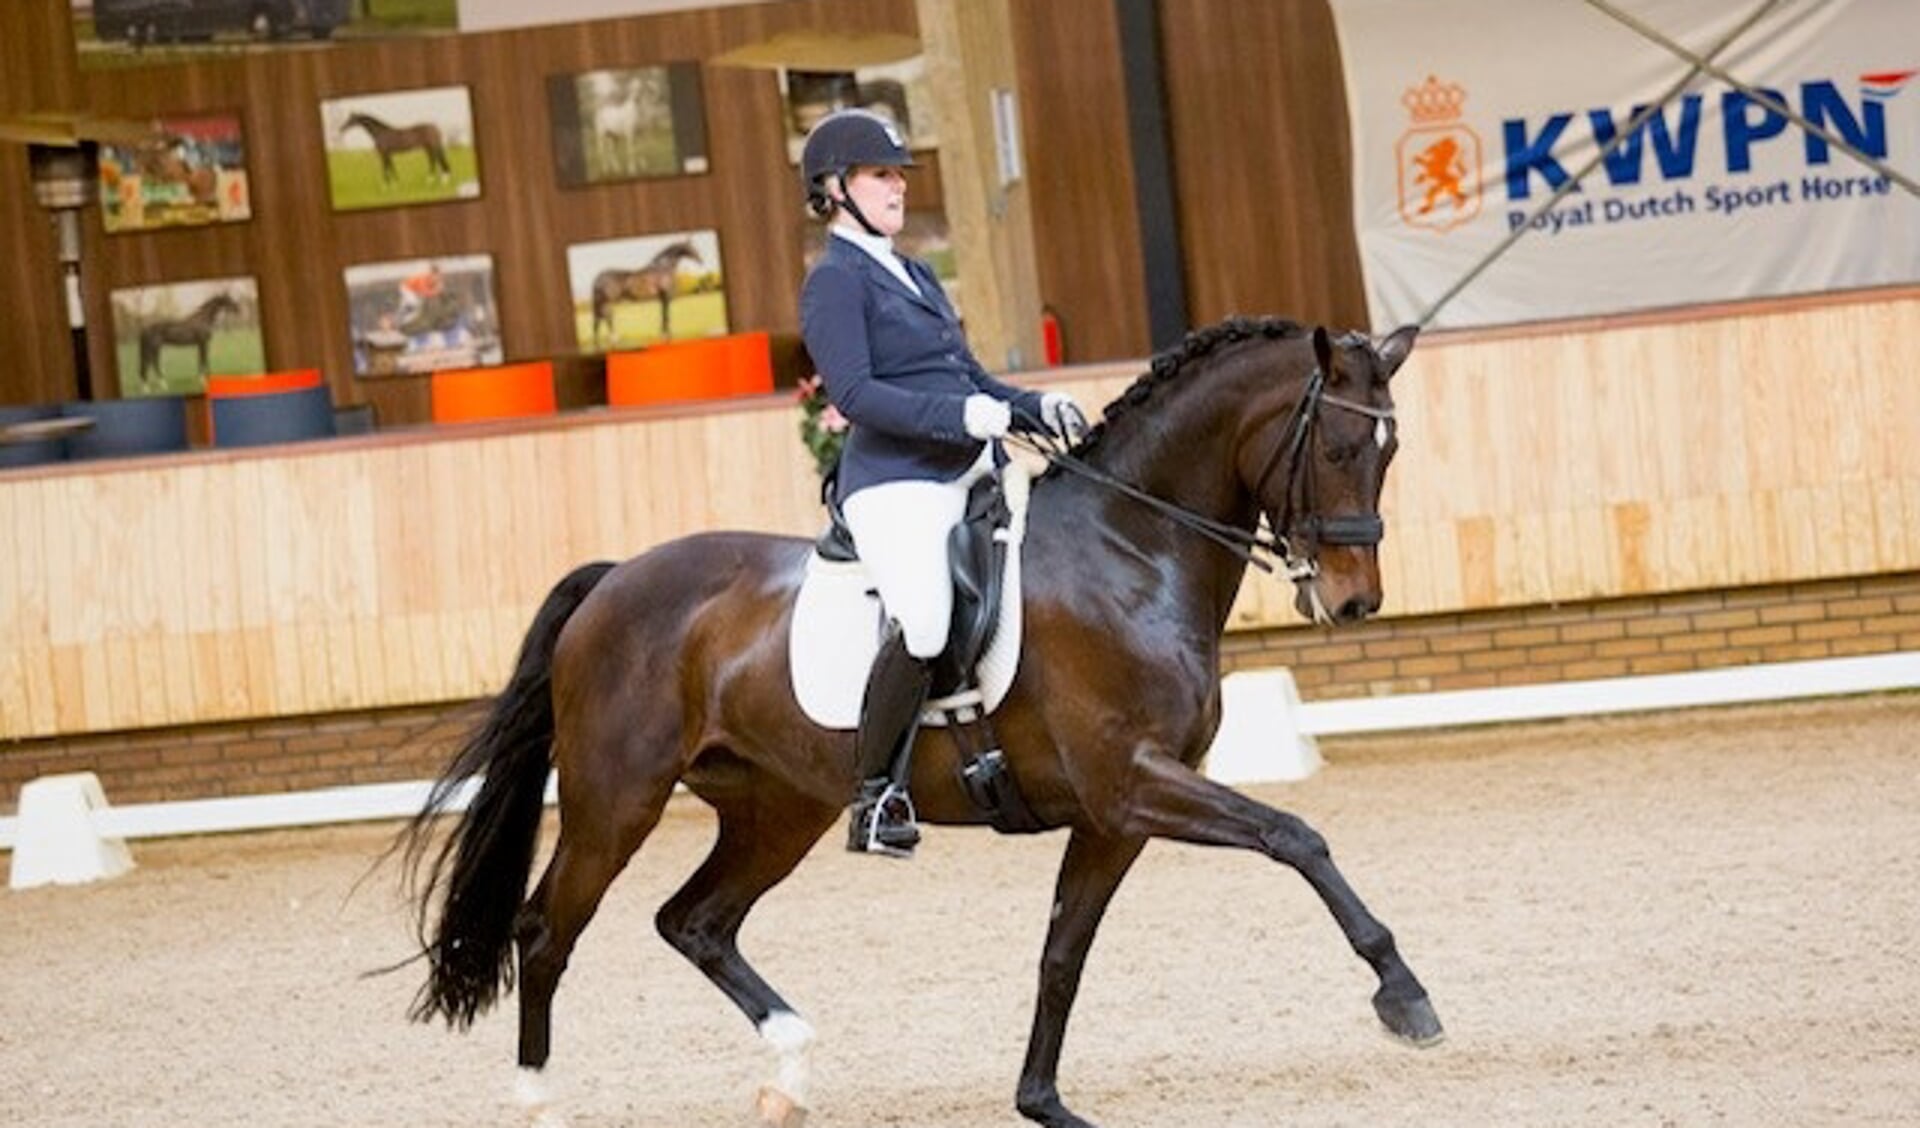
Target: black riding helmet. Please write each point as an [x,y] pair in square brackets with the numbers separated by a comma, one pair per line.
[845,140]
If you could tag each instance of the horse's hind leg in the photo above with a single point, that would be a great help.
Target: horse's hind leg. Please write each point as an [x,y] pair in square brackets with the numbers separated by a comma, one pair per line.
[765,829]
[601,826]
[1170,800]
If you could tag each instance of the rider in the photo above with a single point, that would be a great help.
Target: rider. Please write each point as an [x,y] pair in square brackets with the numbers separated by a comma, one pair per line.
[926,417]
[418,290]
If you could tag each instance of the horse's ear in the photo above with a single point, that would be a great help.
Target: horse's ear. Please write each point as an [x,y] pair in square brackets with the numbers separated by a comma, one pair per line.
[1323,351]
[1394,349]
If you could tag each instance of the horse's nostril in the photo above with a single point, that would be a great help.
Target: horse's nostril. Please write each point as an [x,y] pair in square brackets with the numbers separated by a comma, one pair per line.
[1356,609]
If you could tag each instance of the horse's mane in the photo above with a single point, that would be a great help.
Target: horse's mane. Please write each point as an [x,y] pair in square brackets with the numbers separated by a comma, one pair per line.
[1170,363]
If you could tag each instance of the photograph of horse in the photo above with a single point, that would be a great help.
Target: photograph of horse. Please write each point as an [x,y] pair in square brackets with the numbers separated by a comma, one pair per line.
[419,315]
[895,91]
[409,147]
[389,139]
[618,305]
[627,124]
[163,351]
[189,171]
[673,669]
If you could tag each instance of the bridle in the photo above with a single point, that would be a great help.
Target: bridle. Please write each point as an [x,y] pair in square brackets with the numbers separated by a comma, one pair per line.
[1299,531]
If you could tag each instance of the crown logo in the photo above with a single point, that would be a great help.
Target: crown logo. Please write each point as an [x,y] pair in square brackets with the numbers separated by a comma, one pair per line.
[1434,101]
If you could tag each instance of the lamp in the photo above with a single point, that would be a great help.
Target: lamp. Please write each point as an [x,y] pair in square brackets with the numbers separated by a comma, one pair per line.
[64,178]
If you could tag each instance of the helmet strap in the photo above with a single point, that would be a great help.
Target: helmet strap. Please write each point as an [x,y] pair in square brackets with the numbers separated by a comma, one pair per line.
[853,209]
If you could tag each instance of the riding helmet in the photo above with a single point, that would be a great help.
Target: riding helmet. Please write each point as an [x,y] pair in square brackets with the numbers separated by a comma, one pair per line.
[847,139]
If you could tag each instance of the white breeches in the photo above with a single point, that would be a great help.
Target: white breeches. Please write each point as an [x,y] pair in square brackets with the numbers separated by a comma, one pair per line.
[900,530]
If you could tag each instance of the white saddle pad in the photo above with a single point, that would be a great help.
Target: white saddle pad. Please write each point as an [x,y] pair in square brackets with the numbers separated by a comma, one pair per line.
[837,621]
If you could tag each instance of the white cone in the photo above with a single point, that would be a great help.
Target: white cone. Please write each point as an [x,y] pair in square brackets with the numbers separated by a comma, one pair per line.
[1260,739]
[55,843]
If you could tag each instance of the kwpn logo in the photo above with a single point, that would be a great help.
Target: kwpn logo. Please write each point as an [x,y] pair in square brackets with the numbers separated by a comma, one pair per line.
[1885,84]
[1439,158]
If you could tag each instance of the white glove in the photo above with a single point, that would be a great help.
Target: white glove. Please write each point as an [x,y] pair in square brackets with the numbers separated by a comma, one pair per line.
[1063,416]
[986,417]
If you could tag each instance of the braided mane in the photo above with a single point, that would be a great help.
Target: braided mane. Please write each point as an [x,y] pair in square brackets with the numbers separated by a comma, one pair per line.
[1171,362]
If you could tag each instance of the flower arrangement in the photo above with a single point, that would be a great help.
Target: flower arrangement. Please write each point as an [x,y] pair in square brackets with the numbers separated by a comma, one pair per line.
[822,427]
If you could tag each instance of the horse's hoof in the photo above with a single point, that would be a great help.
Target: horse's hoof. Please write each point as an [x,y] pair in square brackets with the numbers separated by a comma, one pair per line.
[777,1110]
[1410,1020]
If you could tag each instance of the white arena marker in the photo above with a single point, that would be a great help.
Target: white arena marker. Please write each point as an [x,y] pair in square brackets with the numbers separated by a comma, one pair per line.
[56,843]
[1260,740]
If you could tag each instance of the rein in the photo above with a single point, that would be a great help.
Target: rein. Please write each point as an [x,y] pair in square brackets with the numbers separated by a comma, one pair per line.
[1248,546]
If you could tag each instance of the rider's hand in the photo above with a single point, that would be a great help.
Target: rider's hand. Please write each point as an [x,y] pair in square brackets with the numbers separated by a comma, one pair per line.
[986,417]
[1063,416]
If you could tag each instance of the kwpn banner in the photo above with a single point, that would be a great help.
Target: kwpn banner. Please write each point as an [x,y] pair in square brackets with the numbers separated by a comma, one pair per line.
[1467,115]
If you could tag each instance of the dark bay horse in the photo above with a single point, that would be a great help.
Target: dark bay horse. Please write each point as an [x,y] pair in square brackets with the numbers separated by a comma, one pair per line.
[673,668]
[194,329]
[652,281]
[389,139]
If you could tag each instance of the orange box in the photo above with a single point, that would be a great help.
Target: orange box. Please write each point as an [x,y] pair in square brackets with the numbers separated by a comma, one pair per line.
[507,391]
[690,371]
[750,363]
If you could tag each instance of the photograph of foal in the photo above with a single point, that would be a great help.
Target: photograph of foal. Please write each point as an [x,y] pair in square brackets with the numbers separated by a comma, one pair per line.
[673,668]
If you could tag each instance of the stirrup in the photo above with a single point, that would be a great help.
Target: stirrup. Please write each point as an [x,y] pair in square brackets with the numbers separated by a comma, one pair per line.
[865,835]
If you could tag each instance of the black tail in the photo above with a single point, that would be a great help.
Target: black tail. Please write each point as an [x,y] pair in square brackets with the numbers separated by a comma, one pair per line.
[491,850]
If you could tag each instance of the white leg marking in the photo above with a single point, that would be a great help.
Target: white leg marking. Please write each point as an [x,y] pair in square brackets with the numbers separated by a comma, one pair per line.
[530,1091]
[791,1038]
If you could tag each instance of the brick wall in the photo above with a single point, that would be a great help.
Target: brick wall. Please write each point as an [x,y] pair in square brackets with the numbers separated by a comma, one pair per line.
[1610,638]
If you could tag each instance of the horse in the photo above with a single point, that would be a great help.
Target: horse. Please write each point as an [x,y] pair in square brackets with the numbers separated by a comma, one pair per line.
[194,329]
[672,668]
[388,140]
[620,123]
[654,280]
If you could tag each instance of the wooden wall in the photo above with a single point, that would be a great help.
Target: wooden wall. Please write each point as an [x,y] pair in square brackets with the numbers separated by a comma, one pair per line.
[1585,464]
[1261,160]
[298,247]
[1259,146]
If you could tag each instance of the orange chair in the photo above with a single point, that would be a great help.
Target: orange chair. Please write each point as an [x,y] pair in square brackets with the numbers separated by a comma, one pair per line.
[508,391]
[689,371]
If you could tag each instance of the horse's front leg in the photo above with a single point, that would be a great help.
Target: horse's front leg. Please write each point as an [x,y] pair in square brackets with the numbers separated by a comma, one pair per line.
[1167,799]
[1089,874]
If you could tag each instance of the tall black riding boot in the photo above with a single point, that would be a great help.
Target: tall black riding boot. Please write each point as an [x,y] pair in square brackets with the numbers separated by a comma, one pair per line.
[882,819]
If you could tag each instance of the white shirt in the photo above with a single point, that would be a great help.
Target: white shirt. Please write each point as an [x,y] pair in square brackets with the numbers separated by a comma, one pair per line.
[881,248]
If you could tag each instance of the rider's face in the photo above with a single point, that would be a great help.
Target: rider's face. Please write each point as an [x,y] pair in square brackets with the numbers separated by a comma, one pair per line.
[880,192]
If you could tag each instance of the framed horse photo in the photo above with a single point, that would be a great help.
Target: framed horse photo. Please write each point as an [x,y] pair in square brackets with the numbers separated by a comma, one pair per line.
[168,339]
[895,91]
[189,172]
[643,291]
[395,149]
[627,124]
[422,315]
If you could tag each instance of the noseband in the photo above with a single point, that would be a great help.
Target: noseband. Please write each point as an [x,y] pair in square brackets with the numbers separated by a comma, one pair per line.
[1299,532]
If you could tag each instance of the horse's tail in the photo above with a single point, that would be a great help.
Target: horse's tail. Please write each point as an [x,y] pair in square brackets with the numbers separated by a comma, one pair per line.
[483,866]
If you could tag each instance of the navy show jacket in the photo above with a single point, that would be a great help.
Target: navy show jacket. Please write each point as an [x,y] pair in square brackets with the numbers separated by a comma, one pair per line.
[897,366]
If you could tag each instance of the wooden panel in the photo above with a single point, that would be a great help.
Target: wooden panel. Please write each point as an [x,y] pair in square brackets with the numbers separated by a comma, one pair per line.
[1262,167]
[1073,114]
[402,569]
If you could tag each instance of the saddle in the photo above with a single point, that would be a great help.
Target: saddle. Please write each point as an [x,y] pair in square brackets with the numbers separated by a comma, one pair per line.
[977,552]
[977,556]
